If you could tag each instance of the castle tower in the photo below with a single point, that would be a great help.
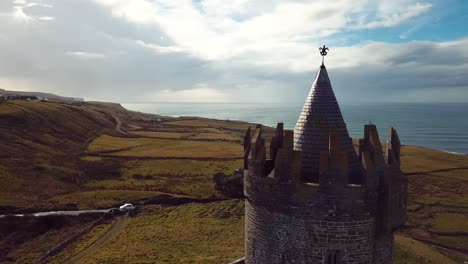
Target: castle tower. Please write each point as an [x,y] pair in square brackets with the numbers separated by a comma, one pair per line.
[313,198]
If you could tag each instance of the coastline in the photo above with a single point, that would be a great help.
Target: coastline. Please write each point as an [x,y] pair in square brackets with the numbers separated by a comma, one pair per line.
[441,128]
[452,152]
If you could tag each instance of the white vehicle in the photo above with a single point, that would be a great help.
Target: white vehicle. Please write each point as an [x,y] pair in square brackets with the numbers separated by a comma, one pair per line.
[127,207]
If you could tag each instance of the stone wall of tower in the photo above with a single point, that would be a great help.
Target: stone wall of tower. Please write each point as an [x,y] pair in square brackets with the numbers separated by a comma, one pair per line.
[384,249]
[277,237]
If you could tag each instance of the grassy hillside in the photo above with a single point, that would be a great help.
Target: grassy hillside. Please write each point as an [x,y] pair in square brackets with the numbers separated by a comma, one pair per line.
[55,153]
[166,148]
[24,240]
[40,146]
[438,200]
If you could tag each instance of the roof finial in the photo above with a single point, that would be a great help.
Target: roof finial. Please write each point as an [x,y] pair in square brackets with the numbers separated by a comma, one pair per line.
[323,52]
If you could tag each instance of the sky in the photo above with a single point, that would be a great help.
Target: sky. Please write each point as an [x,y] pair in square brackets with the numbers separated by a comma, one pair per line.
[235,51]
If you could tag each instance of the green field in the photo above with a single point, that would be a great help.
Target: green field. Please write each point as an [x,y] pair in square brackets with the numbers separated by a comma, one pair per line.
[165,148]
[170,135]
[218,135]
[223,125]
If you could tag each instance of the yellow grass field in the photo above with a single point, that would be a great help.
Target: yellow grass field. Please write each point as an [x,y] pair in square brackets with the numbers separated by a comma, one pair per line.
[182,177]
[170,135]
[410,251]
[163,148]
[230,125]
[192,233]
[187,135]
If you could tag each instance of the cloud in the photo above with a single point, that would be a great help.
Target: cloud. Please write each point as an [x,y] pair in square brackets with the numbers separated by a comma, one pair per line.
[159,48]
[226,51]
[37,4]
[199,93]
[85,55]
[46,18]
[19,7]
[19,14]
[217,30]
[396,18]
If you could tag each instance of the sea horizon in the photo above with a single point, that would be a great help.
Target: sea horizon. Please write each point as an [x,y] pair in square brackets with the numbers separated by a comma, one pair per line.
[440,126]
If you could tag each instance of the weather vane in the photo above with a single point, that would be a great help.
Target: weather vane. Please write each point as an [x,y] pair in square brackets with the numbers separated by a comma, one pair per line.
[323,52]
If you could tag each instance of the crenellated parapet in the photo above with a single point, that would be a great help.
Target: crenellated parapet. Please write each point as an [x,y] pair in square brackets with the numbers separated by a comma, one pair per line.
[274,178]
[395,184]
[393,148]
[280,160]
[386,184]
[255,153]
[337,196]
[281,207]
[270,179]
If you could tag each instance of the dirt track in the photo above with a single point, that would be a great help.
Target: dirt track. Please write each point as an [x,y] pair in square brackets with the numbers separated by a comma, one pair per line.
[118,126]
[119,224]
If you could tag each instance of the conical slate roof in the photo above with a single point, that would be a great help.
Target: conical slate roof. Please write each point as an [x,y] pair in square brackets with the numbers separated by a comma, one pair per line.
[320,115]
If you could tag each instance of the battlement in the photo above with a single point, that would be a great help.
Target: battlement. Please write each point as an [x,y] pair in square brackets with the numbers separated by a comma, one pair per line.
[282,207]
[282,164]
[276,178]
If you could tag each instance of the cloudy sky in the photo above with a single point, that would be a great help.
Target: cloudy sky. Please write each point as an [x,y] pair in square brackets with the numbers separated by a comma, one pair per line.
[238,50]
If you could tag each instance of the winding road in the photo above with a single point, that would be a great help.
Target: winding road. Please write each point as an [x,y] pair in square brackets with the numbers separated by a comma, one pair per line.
[118,126]
[71,213]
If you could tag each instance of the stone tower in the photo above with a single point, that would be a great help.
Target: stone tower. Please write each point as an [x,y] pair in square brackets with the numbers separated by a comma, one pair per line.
[317,198]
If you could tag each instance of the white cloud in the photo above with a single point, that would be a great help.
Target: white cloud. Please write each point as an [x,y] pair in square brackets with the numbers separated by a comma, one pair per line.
[211,36]
[160,49]
[137,11]
[19,14]
[46,18]
[38,4]
[85,55]
[198,93]
[267,33]
[393,19]
[258,50]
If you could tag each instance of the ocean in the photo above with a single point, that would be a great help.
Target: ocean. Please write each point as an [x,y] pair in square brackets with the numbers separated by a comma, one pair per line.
[437,126]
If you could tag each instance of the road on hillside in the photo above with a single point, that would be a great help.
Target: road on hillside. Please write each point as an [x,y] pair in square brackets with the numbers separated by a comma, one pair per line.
[71,213]
[117,227]
[118,126]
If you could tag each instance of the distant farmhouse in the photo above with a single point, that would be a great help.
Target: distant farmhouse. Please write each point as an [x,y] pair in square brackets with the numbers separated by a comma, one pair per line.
[36,97]
[319,198]
[31,98]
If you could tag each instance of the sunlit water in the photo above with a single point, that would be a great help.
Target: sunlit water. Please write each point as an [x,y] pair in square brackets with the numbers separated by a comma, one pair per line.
[437,126]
